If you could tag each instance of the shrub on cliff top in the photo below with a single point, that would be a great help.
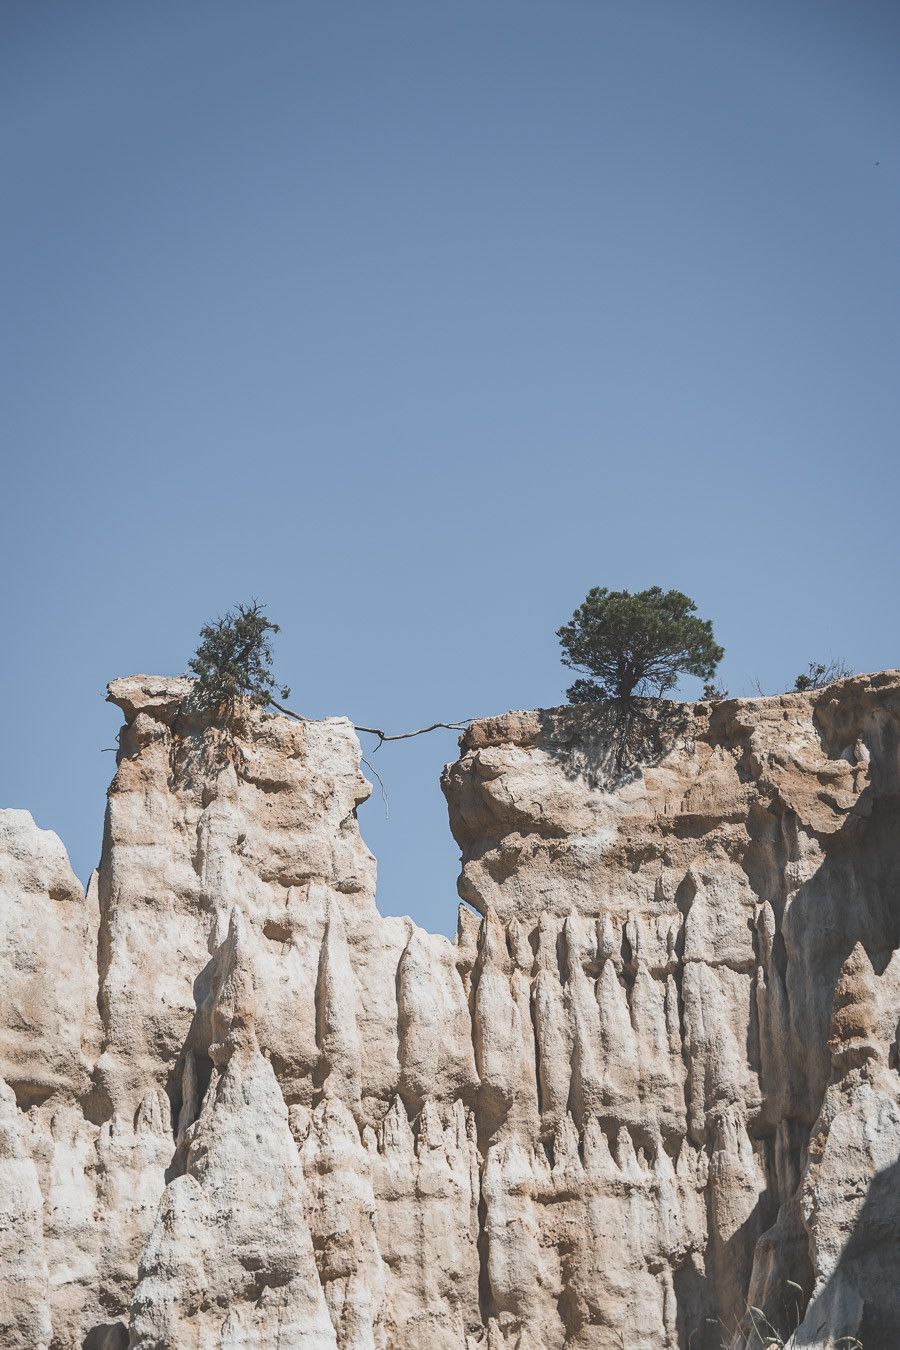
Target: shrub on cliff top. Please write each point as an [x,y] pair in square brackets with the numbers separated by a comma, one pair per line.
[636,645]
[233,661]
[820,673]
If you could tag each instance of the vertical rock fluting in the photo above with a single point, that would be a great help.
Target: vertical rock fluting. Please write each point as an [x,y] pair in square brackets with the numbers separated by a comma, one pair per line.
[648,1098]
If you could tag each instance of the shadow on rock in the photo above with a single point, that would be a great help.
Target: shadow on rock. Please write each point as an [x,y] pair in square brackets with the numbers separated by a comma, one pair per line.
[859,1306]
[608,744]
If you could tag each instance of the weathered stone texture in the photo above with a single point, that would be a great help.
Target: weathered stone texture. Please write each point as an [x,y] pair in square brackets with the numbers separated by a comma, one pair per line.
[649,1097]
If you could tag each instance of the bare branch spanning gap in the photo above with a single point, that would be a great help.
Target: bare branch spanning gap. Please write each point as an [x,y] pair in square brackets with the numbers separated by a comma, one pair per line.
[383,735]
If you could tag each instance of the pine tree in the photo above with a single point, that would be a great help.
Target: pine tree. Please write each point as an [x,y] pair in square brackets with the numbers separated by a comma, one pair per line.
[634,646]
[232,663]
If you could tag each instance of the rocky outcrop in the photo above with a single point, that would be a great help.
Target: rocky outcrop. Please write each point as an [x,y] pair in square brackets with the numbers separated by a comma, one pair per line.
[649,1096]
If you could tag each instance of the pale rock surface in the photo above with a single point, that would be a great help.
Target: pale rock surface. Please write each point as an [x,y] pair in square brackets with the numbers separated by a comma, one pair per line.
[24,1277]
[50,1030]
[648,1098]
[229,1261]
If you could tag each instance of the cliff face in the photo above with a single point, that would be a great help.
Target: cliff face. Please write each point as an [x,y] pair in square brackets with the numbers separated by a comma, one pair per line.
[648,1098]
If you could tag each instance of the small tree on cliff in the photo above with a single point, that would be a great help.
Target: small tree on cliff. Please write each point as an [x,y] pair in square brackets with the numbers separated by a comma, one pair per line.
[820,673]
[635,646]
[233,661]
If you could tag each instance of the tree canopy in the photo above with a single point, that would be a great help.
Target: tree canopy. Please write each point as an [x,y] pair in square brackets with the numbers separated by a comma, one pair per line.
[636,645]
[233,661]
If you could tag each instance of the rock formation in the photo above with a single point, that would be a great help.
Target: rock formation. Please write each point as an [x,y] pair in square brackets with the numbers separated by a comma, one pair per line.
[649,1097]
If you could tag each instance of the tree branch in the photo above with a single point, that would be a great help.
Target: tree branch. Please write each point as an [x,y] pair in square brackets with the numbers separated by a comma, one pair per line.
[421,731]
[375,774]
[383,735]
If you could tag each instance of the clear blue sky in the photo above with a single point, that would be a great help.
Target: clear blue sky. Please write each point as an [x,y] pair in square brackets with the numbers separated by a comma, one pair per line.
[417,320]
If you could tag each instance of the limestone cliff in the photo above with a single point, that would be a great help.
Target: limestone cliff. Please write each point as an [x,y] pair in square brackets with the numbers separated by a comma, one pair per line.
[649,1097]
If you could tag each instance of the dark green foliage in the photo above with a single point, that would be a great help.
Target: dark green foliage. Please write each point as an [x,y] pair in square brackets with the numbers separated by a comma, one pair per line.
[820,673]
[233,662]
[713,692]
[586,691]
[636,645]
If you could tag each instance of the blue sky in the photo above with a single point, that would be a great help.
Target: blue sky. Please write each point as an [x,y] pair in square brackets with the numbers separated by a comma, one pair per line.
[418,320]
